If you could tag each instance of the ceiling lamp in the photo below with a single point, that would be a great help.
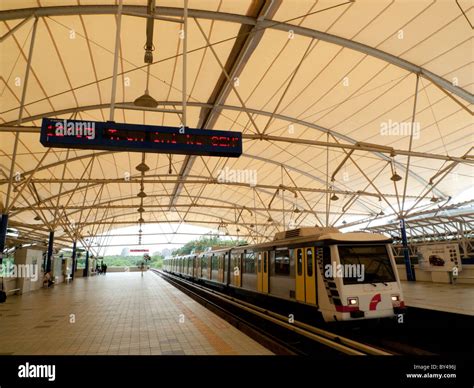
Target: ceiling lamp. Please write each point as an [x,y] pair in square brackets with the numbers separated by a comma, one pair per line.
[252,225]
[141,220]
[37,218]
[334,197]
[395,177]
[146,101]
[296,210]
[344,222]
[142,167]
[141,209]
[238,230]
[270,219]
[434,199]
[141,194]
[381,213]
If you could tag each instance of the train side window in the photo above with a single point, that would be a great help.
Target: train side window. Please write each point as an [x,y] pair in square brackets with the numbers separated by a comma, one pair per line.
[249,264]
[282,262]
[259,261]
[265,261]
[215,262]
[309,262]
[299,262]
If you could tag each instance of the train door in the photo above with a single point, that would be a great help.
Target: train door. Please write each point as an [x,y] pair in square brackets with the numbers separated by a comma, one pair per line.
[305,275]
[262,272]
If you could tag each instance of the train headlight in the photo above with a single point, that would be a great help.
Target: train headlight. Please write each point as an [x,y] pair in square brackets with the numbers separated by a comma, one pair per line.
[395,298]
[352,301]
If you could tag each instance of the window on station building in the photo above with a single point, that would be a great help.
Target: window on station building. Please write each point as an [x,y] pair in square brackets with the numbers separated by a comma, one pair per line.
[282,262]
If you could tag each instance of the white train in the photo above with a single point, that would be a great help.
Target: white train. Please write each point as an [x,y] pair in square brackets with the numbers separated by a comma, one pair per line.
[344,276]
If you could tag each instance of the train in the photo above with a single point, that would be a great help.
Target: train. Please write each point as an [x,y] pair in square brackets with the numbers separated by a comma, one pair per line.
[341,276]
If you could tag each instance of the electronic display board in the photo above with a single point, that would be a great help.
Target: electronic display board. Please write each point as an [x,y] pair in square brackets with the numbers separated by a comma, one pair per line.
[139,138]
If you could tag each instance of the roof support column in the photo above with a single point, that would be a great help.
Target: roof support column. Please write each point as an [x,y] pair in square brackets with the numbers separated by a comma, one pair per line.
[3,234]
[73,265]
[49,255]
[406,252]
[86,269]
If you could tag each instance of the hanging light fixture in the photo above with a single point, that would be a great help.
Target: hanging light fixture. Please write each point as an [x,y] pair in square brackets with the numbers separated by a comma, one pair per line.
[270,219]
[395,177]
[142,167]
[141,220]
[37,218]
[141,194]
[141,209]
[434,199]
[334,197]
[145,101]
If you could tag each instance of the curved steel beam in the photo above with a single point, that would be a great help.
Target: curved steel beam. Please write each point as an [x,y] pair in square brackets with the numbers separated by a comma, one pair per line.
[241,19]
[224,107]
[228,221]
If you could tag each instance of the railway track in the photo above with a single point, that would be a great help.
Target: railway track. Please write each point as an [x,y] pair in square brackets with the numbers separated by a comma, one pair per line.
[273,330]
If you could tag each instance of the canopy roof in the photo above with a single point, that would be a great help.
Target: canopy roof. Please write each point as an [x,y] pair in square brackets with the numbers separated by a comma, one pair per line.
[325,93]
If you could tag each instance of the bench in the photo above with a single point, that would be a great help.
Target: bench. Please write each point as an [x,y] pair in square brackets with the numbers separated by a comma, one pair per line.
[13,291]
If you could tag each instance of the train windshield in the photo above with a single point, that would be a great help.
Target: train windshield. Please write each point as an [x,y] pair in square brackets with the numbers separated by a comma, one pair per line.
[365,264]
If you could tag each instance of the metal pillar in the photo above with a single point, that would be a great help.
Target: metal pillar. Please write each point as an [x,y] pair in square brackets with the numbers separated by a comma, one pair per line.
[50,251]
[73,259]
[3,234]
[86,269]
[406,252]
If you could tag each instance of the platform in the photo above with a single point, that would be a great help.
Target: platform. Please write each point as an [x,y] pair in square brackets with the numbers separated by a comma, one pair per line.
[458,298]
[117,314]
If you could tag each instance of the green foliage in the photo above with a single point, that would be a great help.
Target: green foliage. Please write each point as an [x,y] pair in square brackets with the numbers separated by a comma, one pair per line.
[131,261]
[205,242]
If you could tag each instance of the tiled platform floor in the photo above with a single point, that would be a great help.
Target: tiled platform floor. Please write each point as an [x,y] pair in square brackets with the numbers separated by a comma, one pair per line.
[458,298]
[120,313]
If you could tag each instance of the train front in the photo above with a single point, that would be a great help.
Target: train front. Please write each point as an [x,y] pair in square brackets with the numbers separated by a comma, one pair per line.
[361,278]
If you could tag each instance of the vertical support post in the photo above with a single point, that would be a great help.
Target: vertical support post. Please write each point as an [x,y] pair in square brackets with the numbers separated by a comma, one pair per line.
[116,54]
[49,255]
[3,234]
[406,252]
[185,59]
[86,269]
[73,259]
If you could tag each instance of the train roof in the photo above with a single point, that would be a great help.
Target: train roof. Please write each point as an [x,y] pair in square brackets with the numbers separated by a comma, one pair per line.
[305,235]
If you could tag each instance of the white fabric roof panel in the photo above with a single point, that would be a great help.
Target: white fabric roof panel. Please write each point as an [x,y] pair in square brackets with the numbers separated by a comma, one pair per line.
[292,86]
